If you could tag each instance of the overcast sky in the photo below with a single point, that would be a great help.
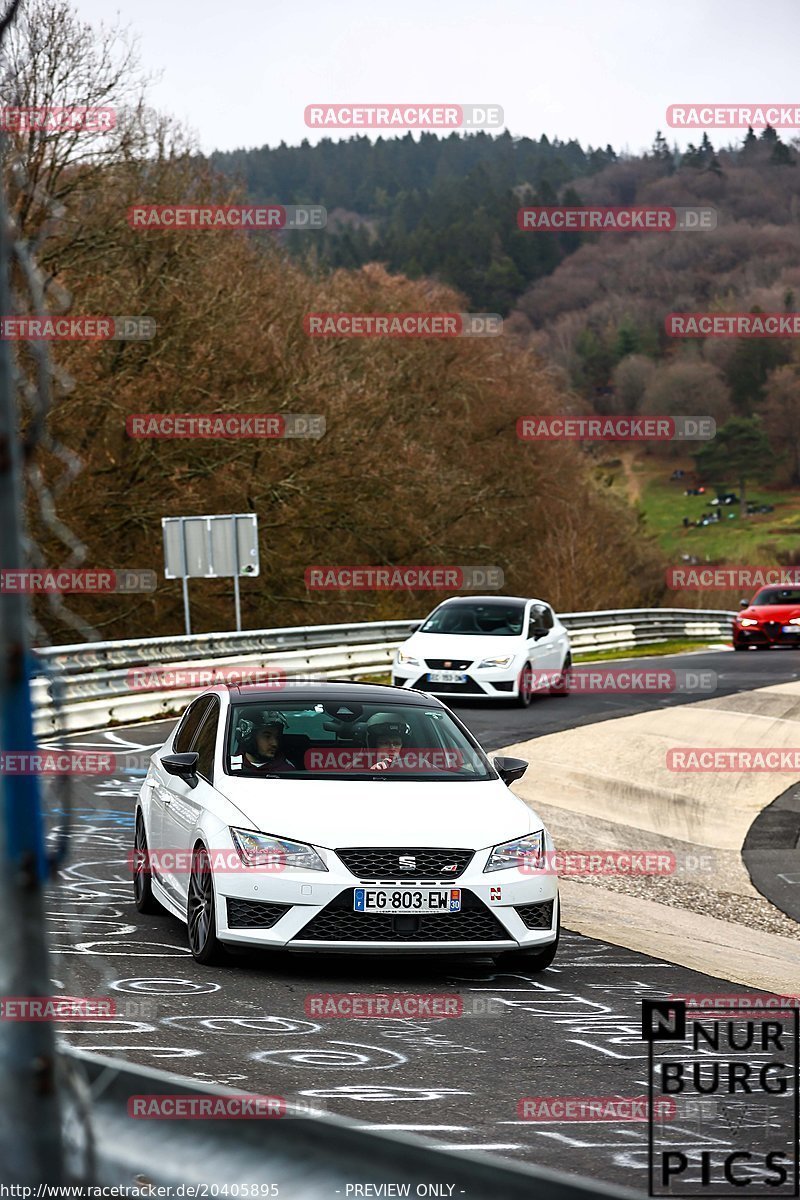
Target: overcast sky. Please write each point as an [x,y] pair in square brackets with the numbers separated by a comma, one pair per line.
[241,72]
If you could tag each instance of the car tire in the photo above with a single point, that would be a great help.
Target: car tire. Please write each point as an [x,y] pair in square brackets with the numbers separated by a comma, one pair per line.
[201,920]
[740,646]
[143,897]
[530,960]
[562,688]
[523,699]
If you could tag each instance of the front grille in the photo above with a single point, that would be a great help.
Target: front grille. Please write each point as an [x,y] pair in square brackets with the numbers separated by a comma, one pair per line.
[384,862]
[470,688]
[339,923]
[448,664]
[773,628]
[254,914]
[536,916]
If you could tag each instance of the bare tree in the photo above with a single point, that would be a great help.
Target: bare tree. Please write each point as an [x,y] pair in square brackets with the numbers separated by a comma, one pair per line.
[631,378]
[781,414]
[53,60]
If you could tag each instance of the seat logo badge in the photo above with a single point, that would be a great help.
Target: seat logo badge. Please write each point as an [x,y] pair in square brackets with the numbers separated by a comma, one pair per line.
[407,862]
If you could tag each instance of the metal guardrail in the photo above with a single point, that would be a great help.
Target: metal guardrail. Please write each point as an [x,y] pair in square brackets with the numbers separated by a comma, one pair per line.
[306,1157]
[103,682]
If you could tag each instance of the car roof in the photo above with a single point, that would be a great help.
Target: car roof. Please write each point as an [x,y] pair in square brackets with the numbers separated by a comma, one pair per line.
[368,693]
[489,600]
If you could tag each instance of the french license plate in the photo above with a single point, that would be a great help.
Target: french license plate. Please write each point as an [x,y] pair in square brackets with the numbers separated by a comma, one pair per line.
[791,629]
[446,677]
[407,900]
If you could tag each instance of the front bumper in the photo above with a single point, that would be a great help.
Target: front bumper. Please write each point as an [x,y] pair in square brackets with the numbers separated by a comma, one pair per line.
[498,683]
[767,633]
[302,914]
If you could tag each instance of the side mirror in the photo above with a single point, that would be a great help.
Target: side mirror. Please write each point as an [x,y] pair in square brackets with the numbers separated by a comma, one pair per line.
[509,769]
[415,625]
[744,604]
[182,765]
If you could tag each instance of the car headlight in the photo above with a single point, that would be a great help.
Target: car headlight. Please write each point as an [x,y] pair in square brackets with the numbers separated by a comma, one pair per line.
[263,850]
[793,621]
[497,662]
[408,659]
[747,621]
[526,852]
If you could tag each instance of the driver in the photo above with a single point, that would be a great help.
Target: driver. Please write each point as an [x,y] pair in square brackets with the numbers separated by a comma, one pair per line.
[385,736]
[260,738]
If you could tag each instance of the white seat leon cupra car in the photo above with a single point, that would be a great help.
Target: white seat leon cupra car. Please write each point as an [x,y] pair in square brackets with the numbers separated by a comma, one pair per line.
[497,647]
[341,817]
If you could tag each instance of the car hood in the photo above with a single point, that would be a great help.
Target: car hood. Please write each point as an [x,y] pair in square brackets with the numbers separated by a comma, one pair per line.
[771,612]
[472,646]
[381,812]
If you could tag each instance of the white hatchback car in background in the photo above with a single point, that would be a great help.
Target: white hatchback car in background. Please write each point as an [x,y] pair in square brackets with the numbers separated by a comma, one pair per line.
[492,646]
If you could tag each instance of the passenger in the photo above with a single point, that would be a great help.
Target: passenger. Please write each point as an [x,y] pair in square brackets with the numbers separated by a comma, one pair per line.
[260,738]
[385,736]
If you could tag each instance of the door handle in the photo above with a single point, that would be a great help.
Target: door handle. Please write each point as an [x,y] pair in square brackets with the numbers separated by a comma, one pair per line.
[167,801]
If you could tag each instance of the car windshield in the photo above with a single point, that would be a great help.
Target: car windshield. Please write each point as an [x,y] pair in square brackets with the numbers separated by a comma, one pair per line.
[778,596]
[499,620]
[335,739]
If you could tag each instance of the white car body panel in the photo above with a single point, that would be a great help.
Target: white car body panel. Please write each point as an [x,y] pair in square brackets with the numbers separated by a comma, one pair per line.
[384,813]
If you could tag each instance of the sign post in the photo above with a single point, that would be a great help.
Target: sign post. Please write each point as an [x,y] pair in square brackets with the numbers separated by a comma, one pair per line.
[211,547]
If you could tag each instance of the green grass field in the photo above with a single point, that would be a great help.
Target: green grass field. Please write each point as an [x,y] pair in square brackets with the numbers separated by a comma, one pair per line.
[754,541]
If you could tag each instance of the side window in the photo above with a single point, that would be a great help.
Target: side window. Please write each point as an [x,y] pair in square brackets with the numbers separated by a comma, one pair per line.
[190,724]
[206,744]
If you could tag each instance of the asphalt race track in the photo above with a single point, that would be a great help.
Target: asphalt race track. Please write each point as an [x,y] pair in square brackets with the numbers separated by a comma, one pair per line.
[497,725]
[575,1030]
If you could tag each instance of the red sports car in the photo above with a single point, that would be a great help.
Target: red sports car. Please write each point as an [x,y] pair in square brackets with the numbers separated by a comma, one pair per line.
[772,618]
